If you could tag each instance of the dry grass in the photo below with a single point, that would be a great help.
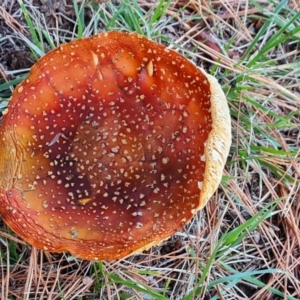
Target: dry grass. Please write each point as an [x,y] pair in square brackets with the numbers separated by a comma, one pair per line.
[245,243]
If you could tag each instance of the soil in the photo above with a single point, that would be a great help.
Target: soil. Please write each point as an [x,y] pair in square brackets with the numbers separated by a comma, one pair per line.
[14,53]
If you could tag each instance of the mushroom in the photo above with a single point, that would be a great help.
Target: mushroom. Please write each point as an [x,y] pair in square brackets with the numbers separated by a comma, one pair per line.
[110,146]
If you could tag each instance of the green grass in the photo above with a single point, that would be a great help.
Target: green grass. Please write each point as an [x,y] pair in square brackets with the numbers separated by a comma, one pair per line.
[245,242]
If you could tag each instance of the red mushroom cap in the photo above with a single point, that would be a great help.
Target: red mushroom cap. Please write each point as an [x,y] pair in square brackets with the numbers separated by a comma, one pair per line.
[110,146]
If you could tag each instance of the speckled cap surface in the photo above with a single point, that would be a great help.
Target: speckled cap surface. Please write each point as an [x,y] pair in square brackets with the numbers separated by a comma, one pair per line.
[110,146]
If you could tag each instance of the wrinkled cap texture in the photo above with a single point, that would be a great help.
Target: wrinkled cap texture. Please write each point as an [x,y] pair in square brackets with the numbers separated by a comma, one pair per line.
[110,146]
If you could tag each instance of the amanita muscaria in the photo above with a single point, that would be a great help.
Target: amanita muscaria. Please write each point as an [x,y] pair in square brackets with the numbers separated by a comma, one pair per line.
[110,146]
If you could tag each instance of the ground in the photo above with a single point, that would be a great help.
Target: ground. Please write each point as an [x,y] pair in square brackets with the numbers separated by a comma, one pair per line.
[245,243]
